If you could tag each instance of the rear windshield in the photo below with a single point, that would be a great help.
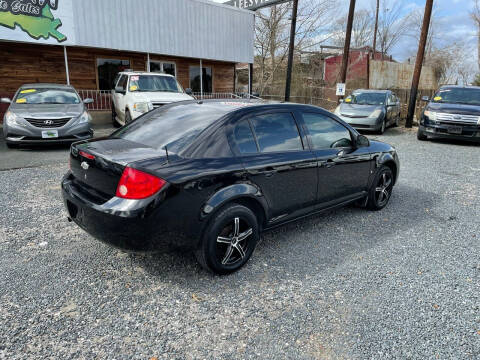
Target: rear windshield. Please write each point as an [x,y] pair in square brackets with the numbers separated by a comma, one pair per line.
[466,96]
[47,96]
[175,127]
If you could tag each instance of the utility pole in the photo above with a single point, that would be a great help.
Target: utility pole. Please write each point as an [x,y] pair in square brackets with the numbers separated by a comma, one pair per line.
[376,30]
[419,62]
[348,37]
[291,49]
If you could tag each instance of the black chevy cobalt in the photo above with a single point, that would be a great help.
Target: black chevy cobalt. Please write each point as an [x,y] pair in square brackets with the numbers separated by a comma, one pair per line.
[453,113]
[210,176]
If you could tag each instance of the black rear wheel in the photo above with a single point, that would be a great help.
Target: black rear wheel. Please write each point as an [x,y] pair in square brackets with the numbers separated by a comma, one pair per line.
[229,240]
[381,189]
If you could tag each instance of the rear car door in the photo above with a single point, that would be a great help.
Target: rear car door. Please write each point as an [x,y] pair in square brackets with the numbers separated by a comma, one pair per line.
[343,170]
[277,159]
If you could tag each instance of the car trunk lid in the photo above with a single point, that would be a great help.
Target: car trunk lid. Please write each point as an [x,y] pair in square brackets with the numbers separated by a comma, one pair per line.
[98,165]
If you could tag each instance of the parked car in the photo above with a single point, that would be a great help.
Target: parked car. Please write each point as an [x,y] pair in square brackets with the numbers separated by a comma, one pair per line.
[136,93]
[371,110]
[46,113]
[453,112]
[225,172]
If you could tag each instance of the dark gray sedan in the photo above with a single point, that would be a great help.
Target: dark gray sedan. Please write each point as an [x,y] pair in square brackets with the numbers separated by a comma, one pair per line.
[46,113]
[372,110]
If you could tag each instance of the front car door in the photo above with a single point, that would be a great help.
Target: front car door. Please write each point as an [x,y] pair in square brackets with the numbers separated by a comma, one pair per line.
[277,159]
[343,170]
[119,98]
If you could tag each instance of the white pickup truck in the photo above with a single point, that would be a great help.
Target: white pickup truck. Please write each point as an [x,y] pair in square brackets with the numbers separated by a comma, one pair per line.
[136,93]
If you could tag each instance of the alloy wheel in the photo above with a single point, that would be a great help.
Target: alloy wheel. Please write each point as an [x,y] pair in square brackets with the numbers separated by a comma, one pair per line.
[233,242]
[383,189]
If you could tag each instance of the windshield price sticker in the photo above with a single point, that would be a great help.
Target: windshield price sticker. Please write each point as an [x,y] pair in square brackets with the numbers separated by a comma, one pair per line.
[135,78]
[28,91]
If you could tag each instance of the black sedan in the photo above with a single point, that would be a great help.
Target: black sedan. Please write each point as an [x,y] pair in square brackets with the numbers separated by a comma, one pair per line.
[210,176]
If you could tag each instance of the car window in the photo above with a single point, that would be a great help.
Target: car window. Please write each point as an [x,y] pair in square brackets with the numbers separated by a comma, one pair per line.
[244,138]
[276,132]
[123,82]
[325,132]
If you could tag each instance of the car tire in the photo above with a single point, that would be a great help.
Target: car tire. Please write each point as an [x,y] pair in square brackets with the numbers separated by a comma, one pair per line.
[421,135]
[397,121]
[381,189]
[114,117]
[229,240]
[383,127]
[128,117]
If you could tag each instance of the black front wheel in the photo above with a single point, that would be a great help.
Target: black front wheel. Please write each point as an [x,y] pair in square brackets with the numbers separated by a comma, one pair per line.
[381,189]
[229,240]
[128,117]
[421,135]
[114,117]
[383,127]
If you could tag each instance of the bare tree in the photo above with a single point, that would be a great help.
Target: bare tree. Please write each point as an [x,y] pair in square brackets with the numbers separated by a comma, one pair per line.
[475,14]
[362,32]
[392,24]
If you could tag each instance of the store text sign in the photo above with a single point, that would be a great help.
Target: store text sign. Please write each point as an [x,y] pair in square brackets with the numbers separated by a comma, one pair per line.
[253,4]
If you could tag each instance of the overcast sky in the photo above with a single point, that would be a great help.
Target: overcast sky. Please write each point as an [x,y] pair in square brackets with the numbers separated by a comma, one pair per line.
[454,23]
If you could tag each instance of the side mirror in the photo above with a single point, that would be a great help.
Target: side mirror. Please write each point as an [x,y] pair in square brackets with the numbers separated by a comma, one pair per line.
[6,101]
[425,98]
[87,101]
[362,141]
[189,91]
[119,90]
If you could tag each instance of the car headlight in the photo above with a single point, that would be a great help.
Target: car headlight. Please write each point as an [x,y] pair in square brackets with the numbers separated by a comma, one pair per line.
[11,119]
[337,110]
[432,115]
[376,114]
[142,107]
[85,117]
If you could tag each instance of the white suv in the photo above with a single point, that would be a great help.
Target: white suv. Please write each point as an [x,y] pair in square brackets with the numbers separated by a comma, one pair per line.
[136,93]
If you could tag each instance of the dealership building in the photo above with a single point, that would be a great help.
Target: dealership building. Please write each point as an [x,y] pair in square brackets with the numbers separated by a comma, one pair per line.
[86,43]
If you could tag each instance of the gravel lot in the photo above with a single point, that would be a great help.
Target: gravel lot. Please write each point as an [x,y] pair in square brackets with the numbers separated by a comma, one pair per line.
[351,284]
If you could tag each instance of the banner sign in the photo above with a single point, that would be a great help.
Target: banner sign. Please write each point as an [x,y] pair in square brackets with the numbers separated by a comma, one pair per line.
[46,21]
[253,4]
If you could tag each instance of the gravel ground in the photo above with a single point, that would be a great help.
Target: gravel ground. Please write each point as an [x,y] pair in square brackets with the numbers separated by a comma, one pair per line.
[351,284]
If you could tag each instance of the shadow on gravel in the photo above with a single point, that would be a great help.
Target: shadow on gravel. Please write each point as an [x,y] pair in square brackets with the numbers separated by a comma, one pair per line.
[309,245]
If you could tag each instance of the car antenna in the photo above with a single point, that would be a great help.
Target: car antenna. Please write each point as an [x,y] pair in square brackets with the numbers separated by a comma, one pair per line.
[166,151]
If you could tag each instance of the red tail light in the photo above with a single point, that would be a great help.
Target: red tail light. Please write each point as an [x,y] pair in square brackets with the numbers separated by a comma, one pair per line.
[136,184]
[86,155]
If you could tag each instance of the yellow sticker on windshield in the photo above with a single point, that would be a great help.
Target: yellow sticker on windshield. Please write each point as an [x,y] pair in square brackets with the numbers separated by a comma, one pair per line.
[28,91]
[437,98]
[348,100]
[133,88]
[21,101]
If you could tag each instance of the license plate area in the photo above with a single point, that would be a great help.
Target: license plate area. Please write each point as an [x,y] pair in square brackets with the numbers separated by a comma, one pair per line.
[49,134]
[455,130]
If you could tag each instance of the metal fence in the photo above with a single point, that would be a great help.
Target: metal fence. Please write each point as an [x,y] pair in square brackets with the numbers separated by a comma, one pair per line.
[102,99]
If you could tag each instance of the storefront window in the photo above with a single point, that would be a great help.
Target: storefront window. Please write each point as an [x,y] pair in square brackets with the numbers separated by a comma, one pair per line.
[162,66]
[206,79]
[108,70]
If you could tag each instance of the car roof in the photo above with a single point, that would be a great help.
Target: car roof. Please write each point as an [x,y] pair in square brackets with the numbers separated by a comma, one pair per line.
[129,73]
[372,91]
[46,86]
[460,87]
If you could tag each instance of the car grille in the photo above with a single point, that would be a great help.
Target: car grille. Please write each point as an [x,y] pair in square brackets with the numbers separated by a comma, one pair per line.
[458,119]
[48,123]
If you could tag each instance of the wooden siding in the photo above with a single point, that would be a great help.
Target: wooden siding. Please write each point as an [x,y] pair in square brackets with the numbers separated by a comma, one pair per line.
[28,63]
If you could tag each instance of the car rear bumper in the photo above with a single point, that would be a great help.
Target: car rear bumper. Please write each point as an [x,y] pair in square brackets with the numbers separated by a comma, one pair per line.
[469,133]
[130,225]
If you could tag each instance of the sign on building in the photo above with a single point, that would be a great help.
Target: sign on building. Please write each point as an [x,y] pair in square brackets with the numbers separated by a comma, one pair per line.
[45,21]
[341,89]
[253,4]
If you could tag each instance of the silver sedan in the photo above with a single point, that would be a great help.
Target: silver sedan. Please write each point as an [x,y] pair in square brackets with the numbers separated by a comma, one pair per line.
[46,113]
